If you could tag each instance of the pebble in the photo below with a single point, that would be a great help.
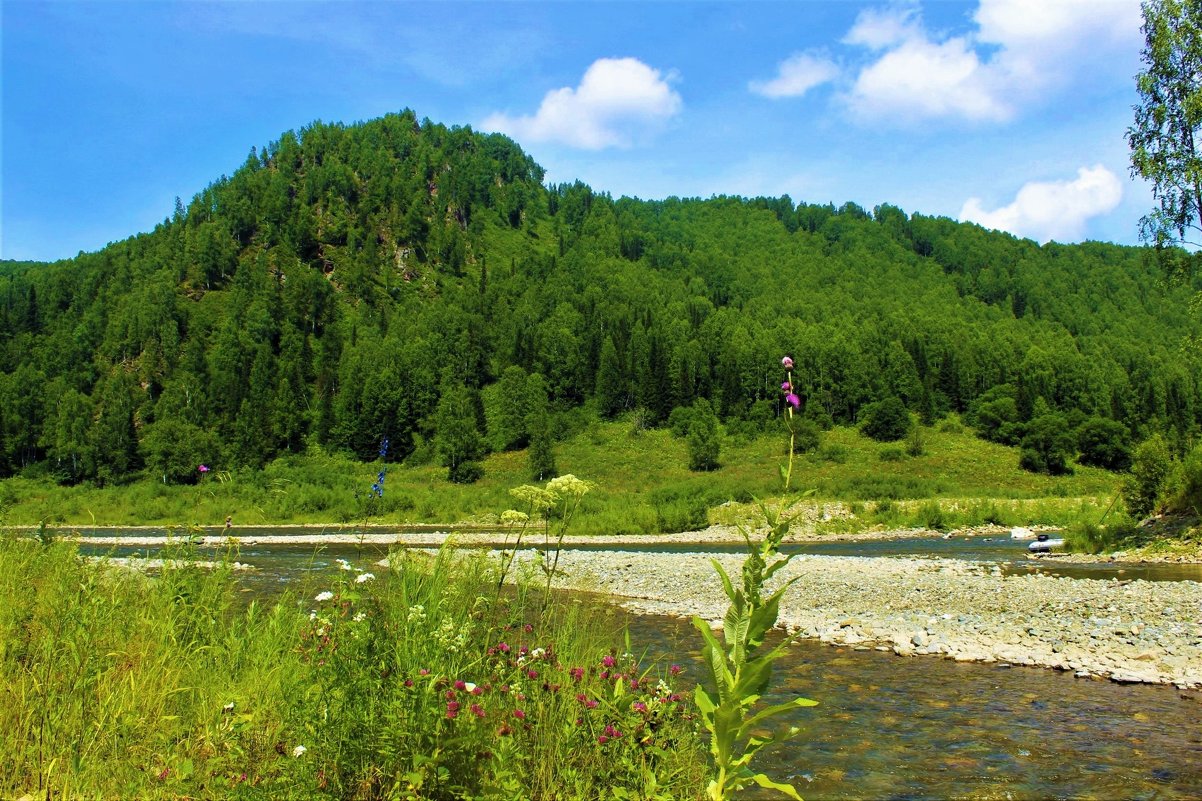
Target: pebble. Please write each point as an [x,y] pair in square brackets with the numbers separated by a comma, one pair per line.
[1139,632]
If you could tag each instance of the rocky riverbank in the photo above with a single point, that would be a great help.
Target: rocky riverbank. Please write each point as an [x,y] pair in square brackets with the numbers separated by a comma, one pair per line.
[1135,631]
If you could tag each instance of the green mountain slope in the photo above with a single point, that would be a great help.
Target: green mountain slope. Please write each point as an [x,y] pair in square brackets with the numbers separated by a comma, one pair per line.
[401,279]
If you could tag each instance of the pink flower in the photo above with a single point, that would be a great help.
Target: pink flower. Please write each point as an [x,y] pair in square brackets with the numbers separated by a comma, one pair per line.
[639,706]
[452,709]
[460,684]
[603,739]
[786,386]
[503,647]
[532,673]
[477,710]
[787,362]
[204,468]
[608,661]
[576,673]
[675,670]
[793,400]
[519,714]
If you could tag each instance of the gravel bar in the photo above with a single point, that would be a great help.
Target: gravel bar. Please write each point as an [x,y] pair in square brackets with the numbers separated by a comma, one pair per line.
[1126,631]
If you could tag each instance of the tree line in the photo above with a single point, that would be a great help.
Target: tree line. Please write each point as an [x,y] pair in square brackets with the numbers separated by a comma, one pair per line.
[401,279]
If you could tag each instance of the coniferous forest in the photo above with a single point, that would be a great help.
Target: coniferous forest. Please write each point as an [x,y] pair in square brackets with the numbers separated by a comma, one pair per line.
[401,279]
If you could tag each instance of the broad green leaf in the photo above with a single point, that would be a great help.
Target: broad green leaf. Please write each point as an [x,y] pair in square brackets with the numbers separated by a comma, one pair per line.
[787,789]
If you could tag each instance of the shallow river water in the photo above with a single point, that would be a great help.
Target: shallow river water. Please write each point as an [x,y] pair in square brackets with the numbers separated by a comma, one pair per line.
[917,728]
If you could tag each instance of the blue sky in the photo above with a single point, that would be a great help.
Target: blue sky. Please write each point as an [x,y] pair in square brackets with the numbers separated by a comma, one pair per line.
[1011,113]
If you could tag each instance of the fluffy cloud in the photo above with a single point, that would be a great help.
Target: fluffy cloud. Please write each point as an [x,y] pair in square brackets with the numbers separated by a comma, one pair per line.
[618,100]
[797,75]
[1017,51]
[1051,210]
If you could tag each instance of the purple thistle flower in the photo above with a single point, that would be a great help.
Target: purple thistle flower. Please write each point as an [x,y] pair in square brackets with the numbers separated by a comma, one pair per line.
[786,387]
[793,400]
[787,362]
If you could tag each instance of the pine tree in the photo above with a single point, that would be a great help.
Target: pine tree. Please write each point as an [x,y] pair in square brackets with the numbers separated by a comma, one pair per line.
[541,453]
[611,384]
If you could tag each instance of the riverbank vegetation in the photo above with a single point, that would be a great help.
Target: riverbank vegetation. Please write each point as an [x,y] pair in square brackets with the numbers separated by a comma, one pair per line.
[417,682]
[643,486]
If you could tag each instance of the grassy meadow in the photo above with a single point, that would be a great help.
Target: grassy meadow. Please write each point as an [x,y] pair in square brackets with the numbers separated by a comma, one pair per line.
[416,682]
[643,485]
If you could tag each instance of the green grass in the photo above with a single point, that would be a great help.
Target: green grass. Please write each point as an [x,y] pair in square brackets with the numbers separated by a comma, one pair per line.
[421,683]
[643,485]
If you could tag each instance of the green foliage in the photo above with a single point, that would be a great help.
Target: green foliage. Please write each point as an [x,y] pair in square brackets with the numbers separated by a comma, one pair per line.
[886,421]
[703,437]
[1150,467]
[174,450]
[1168,124]
[807,436]
[541,453]
[739,669]
[1048,445]
[1182,489]
[409,681]
[1104,443]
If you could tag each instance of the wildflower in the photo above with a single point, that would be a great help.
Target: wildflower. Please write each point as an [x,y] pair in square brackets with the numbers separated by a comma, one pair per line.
[512,517]
[343,564]
[204,468]
[452,709]
[408,682]
[793,400]
[786,386]
[477,710]
[519,714]
[787,362]
[608,661]
[675,670]
[460,684]
[363,578]
[504,730]
[568,485]
[537,653]
[313,614]
[324,595]
[503,647]
[359,617]
[602,739]
[612,732]
[532,673]
[228,708]
[639,706]
[576,673]
[424,672]
[299,751]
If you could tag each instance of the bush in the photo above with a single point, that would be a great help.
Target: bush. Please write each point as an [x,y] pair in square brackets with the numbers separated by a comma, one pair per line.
[1047,445]
[1183,488]
[704,438]
[807,436]
[916,444]
[892,454]
[931,515]
[1150,465]
[1104,443]
[678,421]
[466,472]
[886,421]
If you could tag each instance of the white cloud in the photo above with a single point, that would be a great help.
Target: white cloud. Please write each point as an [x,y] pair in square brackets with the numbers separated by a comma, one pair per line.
[797,75]
[618,101]
[921,78]
[1017,53]
[879,28]
[1052,210]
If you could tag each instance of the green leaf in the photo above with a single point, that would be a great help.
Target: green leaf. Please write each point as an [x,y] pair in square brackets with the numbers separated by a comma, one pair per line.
[773,711]
[787,789]
[726,585]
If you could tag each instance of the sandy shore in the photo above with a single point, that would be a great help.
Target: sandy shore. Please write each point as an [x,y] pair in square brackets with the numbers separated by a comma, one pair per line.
[1137,631]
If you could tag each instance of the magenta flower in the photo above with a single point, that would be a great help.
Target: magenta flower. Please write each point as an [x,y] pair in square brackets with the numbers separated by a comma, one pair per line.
[204,468]
[519,714]
[576,673]
[675,670]
[793,400]
[786,386]
[477,710]
[460,684]
[787,362]
[452,709]
[608,661]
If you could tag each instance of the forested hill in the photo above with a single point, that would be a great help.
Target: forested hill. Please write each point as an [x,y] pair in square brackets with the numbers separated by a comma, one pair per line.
[399,278]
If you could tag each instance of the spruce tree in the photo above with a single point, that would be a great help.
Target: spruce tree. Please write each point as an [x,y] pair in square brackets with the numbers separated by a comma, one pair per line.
[541,453]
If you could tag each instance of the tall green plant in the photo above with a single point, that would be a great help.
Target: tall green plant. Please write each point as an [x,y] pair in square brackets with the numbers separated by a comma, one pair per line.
[740,670]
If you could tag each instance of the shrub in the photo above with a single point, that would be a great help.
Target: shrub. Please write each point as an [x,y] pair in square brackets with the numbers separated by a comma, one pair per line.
[886,421]
[1150,465]
[892,454]
[704,438]
[466,472]
[807,436]
[678,421]
[931,515]
[1047,445]
[1183,487]
[1104,443]
[916,444]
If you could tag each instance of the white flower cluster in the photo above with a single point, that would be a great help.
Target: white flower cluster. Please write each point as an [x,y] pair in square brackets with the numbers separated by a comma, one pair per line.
[363,578]
[449,637]
[324,595]
[417,614]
